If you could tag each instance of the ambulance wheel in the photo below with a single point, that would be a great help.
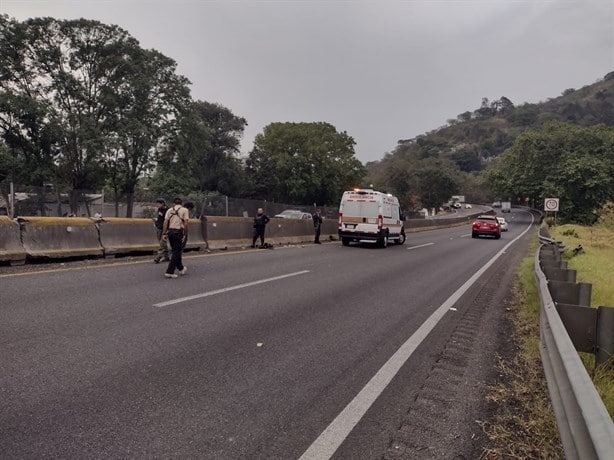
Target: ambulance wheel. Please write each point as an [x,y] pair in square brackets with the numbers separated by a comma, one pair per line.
[383,242]
[402,238]
[345,241]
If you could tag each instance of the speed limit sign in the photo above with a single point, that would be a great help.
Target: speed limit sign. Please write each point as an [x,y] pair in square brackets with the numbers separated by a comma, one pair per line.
[551,204]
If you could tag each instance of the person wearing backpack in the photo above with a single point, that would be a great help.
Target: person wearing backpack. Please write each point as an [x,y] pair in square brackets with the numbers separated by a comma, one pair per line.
[175,230]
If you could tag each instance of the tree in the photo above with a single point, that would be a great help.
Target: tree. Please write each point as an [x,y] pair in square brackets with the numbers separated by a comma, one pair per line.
[562,160]
[217,167]
[83,99]
[436,182]
[27,125]
[58,77]
[147,105]
[303,163]
[203,153]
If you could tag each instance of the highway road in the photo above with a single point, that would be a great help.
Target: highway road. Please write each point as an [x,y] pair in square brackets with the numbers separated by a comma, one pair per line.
[316,351]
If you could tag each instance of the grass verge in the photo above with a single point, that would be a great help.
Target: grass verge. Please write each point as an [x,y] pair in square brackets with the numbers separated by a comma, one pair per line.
[524,425]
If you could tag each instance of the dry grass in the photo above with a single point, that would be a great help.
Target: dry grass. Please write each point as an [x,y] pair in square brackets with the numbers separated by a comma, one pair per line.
[524,426]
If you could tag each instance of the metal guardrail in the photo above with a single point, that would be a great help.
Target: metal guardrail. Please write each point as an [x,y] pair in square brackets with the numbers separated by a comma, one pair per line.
[585,427]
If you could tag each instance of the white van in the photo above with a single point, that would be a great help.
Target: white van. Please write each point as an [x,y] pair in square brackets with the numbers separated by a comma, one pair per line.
[369,216]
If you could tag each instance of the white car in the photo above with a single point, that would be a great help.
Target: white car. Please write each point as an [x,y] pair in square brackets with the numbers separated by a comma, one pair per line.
[467,206]
[502,223]
[293,214]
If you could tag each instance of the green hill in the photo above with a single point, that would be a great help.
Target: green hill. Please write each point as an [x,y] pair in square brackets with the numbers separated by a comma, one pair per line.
[466,146]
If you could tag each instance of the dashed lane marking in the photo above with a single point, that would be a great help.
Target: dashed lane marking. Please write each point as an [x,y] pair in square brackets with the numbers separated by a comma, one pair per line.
[420,246]
[228,289]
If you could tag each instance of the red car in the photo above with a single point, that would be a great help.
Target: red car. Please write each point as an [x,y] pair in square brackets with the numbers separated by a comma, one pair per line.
[486,225]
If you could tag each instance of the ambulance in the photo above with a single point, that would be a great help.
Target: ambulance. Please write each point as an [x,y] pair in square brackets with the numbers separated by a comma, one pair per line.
[367,216]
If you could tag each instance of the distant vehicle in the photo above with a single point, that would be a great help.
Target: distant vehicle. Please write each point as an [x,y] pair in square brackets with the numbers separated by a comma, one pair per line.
[366,215]
[457,205]
[293,214]
[502,224]
[496,204]
[486,225]
[506,206]
[467,206]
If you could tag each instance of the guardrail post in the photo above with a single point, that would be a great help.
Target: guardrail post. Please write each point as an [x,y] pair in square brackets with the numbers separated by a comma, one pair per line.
[580,324]
[605,335]
[559,274]
[570,293]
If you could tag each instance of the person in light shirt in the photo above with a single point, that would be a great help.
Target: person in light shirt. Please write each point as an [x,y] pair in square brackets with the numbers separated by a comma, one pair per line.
[175,231]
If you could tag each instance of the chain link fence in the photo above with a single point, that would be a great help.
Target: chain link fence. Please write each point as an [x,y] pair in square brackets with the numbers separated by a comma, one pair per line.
[51,200]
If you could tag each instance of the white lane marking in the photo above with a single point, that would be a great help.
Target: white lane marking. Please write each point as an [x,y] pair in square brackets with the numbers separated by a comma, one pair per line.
[466,235]
[331,438]
[231,288]
[420,246]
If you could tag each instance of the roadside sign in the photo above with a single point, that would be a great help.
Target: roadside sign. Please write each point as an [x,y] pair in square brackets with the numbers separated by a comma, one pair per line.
[551,204]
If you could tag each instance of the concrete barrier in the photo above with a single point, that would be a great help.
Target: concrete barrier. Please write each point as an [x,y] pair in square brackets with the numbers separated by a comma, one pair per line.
[60,237]
[121,236]
[11,249]
[196,236]
[222,232]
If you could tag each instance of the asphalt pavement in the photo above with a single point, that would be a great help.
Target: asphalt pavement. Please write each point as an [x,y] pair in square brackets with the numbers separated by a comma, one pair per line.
[308,350]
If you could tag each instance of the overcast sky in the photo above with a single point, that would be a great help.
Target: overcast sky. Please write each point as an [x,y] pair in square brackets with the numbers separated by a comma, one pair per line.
[379,70]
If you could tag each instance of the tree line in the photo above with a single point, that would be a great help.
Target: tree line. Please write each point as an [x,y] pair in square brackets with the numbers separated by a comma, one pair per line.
[559,160]
[83,105]
[561,148]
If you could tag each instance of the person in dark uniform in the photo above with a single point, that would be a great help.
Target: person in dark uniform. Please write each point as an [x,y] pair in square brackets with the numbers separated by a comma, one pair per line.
[317,226]
[260,222]
[159,223]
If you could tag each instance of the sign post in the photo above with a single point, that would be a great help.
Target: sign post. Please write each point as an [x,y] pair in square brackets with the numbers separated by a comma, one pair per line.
[551,205]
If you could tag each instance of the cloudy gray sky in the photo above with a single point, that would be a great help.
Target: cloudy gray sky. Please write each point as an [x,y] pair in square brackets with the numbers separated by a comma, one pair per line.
[381,70]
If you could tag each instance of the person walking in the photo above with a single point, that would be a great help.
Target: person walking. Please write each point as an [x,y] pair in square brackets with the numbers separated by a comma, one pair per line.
[260,222]
[175,230]
[317,226]
[159,224]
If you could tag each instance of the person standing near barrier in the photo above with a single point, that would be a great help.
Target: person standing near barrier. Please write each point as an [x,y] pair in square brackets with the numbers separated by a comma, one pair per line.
[317,226]
[175,230]
[159,224]
[260,222]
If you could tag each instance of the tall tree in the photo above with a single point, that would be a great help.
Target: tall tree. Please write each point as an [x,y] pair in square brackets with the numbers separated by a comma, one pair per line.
[560,160]
[63,73]
[27,124]
[303,163]
[147,106]
[203,154]
[84,97]
[218,167]
[436,181]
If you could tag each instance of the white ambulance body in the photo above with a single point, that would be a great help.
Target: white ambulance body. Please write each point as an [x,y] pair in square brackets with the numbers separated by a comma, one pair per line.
[369,216]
